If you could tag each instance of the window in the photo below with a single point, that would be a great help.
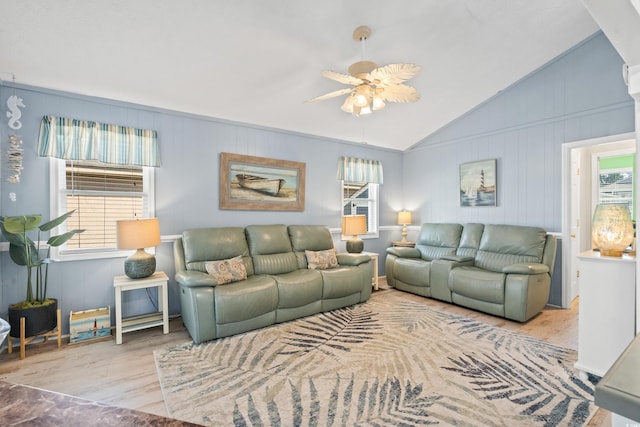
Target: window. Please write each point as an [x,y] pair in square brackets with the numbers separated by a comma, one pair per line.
[616,180]
[361,198]
[101,194]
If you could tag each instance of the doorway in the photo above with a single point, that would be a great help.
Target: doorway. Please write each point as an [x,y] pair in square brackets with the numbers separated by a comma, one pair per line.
[580,193]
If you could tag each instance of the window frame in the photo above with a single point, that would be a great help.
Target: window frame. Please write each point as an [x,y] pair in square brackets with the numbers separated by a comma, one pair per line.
[57,202]
[374,212]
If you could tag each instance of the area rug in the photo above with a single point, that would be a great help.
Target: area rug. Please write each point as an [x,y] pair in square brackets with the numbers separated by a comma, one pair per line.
[389,361]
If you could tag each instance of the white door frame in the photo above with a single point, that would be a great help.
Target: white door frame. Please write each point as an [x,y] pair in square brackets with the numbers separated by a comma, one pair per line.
[567,256]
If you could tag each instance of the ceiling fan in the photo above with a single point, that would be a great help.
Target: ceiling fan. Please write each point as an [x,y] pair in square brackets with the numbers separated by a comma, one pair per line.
[373,85]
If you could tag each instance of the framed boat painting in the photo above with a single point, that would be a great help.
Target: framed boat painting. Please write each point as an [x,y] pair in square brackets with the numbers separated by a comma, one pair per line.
[478,183]
[260,183]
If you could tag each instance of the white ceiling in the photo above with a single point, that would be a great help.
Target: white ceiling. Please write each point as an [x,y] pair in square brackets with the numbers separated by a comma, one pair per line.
[257,61]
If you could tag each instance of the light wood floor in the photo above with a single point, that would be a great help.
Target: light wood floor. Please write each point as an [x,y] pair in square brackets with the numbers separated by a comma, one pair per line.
[125,375]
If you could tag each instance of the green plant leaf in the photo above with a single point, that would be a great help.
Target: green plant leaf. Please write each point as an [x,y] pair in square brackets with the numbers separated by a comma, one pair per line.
[16,239]
[56,222]
[21,224]
[18,254]
[62,238]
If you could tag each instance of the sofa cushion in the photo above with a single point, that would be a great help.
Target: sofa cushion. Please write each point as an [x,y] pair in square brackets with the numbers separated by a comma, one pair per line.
[478,284]
[275,263]
[212,244]
[299,288]
[340,282]
[271,249]
[470,240]
[321,260]
[268,239]
[227,271]
[246,299]
[412,271]
[504,245]
[436,240]
[310,237]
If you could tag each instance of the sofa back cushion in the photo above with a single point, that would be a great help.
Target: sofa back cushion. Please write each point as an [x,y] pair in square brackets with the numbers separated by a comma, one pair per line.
[503,245]
[437,240]
[270,249]
[310,237]
[470,240]
[214,244]
[314,238]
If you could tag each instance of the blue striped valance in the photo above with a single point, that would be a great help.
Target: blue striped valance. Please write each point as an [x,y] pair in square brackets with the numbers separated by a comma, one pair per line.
[72,139]
[352,169]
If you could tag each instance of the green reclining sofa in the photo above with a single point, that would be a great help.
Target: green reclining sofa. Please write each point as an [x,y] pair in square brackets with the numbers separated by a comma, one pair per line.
[504,270]
[275,283]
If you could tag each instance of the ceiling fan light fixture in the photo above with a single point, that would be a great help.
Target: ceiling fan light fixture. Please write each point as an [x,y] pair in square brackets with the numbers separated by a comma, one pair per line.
[363,95]
[365,110]
[378,103]
[361,100]
[347,106]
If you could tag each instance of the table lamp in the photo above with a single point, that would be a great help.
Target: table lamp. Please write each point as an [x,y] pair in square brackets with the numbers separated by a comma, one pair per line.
[611,229]
[404,218]
[352,226]
[139,234]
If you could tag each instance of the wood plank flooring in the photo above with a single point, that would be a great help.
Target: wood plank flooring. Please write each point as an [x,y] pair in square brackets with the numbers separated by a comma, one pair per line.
[125,375]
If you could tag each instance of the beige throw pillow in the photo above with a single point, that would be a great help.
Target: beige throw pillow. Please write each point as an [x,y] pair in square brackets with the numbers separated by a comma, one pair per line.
[321,260]
[227,270]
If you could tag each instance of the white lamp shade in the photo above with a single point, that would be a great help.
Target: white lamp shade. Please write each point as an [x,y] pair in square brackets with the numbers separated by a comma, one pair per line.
[404,217]
[354,225]
[138,233]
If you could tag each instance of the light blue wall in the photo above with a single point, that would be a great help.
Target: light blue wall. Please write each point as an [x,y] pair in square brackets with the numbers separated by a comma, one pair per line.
[579,95]
[186,187]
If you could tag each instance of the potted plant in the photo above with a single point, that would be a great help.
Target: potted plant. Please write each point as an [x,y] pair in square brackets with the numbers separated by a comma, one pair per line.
[39,311]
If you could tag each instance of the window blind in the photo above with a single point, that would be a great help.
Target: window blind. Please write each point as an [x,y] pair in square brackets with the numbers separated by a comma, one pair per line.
[101,195]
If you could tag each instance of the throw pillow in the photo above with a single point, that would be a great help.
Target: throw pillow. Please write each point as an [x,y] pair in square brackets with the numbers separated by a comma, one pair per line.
[321,260]
[227,270]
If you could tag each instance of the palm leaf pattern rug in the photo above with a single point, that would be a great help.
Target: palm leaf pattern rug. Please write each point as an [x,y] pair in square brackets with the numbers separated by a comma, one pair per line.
[389,361]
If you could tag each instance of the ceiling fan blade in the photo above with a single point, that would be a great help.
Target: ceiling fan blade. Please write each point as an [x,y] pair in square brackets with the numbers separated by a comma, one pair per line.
[331,95]
[400,93]
[393,74]
[342,78]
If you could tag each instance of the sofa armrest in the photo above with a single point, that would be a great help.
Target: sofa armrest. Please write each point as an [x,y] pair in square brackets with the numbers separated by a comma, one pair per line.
[353,259]
[466,260]
[526,268]
[193,279]
[401,252]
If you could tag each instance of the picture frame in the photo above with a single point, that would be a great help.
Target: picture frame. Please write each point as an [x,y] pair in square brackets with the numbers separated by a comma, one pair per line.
[90,325]
[260,183]
[478,184]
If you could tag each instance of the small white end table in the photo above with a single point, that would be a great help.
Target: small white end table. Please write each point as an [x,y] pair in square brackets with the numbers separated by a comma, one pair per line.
[134,323]
[374,257]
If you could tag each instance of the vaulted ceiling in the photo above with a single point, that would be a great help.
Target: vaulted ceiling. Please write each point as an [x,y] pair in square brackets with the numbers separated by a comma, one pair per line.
[256,62]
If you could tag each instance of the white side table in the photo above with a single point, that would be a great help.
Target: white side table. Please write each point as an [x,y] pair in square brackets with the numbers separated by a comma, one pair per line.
[134,323]
[374,257]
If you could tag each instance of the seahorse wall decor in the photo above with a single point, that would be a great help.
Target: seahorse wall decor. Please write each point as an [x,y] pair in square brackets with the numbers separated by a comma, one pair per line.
[14,103]
[15,151]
